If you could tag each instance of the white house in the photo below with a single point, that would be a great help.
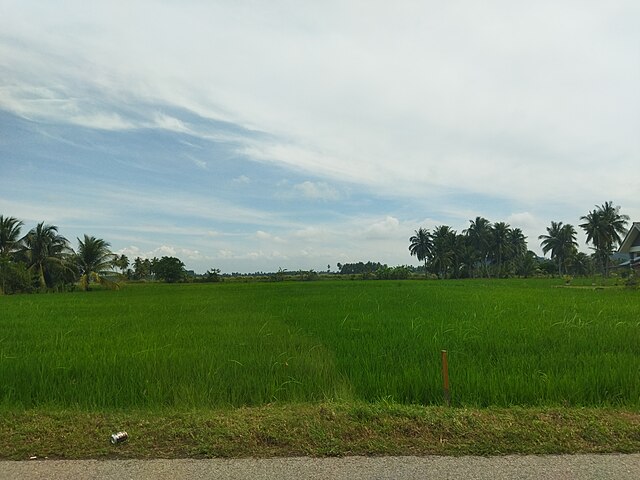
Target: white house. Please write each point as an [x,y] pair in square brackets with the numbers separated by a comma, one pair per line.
[631,244]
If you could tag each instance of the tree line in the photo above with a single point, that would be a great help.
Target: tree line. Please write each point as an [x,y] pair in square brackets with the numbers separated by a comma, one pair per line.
[43,260]
[488,249]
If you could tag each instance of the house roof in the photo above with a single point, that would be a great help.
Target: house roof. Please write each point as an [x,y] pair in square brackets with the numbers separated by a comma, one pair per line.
[630,239]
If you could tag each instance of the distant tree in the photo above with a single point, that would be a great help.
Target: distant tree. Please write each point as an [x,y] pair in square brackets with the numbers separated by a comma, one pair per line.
[401,272]
[365,269]
[581,264]
[420,245]
[48,255]
[141,268]
[169,269]
[279,275]
[526,264]
[442,252]
[604,227]
[150,266]
[121,262]
[95,261]
[500,243]
[212,275]
[465,257]
[9,235]
[517,242]
[560,240]
[138,269]
[547,266]
[15,277]
[481,238]
[517,249]
[9,245]
[308,275]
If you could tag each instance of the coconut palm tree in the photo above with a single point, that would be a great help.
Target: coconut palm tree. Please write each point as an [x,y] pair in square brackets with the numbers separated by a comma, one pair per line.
[421,245]
[9,244]
[500,243]
[94,260]
[46,253]
[480,236]
[518,242]
[465,257]
[443,253]
[581,264]
[560,241]
[517,248]
[9,235]
[604,227]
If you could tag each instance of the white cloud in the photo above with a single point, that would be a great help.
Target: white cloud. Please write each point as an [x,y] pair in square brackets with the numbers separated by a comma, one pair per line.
[315,234]
[167,122]
[102,121]
[534,106]
[185,254]
[52,210]
[242,179]
[197,162]
[523,220]
[422,95]
[316,191]
[261,235]
[389,227]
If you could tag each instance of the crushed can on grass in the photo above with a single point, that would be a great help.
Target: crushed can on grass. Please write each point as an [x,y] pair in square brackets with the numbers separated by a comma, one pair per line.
[119,437]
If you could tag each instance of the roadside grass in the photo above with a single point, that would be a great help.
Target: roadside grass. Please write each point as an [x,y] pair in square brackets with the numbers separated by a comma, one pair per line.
[318,430]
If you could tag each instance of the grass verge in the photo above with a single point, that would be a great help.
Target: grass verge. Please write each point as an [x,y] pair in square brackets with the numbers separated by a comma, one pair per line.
[318,430]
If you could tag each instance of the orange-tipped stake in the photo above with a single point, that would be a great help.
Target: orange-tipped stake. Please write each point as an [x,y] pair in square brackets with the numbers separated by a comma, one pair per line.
[445,378]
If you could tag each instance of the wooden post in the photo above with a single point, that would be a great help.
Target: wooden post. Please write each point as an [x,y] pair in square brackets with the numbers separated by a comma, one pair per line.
[445,378]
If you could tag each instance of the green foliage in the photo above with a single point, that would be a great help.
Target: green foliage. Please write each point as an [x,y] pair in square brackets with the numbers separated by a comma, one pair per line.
[484,249]
[94,261]
[169,269]
[308,275]
[401,272]
[359,268]
[121,262]
[421,245]
[49,257]
[604,227]
[212,276]
[560,240]
[15,277]
[279,275]
[9,236]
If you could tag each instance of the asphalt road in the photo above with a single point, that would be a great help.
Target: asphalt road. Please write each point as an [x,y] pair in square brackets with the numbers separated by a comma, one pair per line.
[565,467]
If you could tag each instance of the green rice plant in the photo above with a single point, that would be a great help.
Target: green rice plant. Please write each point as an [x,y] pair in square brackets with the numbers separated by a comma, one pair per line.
[510,342]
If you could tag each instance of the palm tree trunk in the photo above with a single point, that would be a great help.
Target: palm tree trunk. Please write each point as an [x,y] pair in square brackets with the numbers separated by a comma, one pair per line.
[560,266]
[41,280]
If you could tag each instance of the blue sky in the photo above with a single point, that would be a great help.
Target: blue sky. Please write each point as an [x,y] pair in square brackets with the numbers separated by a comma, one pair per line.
[254,136]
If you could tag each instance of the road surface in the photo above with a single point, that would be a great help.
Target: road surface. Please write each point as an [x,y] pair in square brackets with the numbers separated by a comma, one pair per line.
[565,467]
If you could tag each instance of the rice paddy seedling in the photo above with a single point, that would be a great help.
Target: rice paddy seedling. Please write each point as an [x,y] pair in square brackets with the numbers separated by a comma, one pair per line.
[511,342]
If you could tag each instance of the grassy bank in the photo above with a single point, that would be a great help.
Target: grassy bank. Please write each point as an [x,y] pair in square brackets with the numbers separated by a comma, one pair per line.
[209,346]
[318,430]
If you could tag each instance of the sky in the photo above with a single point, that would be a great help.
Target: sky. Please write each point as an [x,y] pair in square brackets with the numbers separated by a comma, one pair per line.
[252,136]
